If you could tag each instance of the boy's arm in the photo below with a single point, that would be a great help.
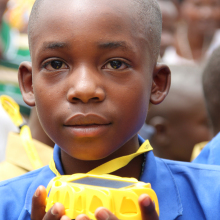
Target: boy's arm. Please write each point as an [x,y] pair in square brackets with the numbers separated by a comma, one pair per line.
[57,211]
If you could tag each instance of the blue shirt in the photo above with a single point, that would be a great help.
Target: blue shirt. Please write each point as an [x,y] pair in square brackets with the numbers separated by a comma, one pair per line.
[185,191]
[210,154]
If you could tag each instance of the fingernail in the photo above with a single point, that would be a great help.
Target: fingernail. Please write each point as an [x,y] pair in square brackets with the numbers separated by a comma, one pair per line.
[37,192]
[82,217]
[146,201]
[54,211]
[103,215]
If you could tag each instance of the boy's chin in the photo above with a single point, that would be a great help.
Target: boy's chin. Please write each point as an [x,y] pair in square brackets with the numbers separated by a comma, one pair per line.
[93,156]
[90,153]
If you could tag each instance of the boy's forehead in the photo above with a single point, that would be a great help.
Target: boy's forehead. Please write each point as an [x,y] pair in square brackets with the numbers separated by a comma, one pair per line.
[86,5]
[114,15]
[111,22]
[83,10]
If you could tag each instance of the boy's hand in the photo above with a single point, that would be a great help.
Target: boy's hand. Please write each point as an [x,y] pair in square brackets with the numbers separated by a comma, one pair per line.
[147,208]
[146,205]
[57,212]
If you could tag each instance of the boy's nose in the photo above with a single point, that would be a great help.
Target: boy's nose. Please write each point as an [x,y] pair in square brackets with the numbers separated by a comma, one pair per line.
[85,87]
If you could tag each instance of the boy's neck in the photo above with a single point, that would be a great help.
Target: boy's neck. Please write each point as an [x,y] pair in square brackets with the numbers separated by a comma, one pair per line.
[133,169]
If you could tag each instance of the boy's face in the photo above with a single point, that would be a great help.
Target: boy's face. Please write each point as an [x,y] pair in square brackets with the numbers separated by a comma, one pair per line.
[92,76]
[192,127]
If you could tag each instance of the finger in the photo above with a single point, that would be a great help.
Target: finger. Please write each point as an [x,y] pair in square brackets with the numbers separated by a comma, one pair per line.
[82,217]
[38,203]
[64,217]
[56,212]
[104,214]
[147,207]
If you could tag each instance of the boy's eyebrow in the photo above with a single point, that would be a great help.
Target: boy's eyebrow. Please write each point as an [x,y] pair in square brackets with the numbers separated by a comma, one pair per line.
[54,45]
[105,45]
[114,44]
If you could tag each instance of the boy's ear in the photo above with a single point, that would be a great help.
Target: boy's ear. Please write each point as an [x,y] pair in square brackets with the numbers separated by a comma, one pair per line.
[161,83]
[25,83]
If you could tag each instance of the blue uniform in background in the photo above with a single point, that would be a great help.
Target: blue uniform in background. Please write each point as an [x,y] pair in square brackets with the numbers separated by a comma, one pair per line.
[185,191]
[210,154]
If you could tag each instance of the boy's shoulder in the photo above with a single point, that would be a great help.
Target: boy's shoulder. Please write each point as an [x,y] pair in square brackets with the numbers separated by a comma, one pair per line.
[188,188]
[16,193]
[189,165]
[191,171]
[183,189]
[21,182]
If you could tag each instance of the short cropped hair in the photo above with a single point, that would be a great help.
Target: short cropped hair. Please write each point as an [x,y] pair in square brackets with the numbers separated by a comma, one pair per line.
[211,87]
[148,14]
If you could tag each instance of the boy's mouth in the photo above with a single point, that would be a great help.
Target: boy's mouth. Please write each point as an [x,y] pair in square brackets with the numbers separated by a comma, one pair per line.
[89,125]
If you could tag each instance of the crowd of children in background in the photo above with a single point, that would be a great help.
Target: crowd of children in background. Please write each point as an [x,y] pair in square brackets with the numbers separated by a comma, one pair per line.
[191,32]
[186,123]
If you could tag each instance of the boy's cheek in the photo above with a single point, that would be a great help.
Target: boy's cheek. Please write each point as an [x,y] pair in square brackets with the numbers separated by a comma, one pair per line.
[125,104]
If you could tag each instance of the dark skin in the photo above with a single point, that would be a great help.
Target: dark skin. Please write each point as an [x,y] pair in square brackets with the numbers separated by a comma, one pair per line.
[36,129]
[89,76]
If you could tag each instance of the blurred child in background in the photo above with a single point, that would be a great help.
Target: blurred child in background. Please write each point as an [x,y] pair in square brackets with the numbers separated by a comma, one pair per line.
[211,81]
[180,121]
[170,16]
[197,34]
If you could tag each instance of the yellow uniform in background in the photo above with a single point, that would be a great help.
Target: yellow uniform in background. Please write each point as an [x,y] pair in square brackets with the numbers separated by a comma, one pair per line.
[197,149]
[17,161]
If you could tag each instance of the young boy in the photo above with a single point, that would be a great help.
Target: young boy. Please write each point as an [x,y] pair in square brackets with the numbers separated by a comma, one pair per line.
[93,72]
[211,80]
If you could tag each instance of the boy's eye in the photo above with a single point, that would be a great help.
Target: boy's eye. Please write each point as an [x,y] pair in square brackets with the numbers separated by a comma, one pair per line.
[116,64]
[55,65]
